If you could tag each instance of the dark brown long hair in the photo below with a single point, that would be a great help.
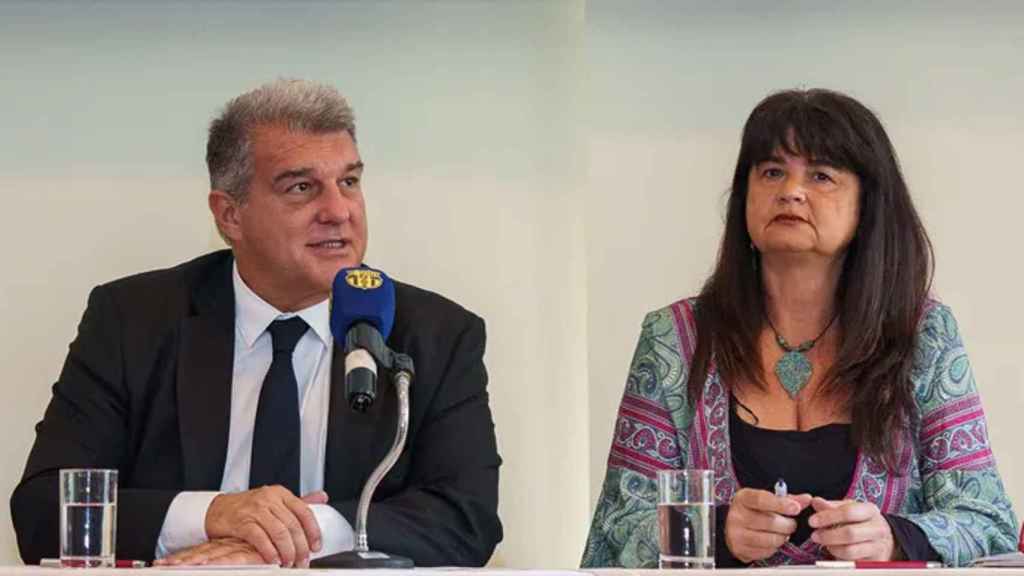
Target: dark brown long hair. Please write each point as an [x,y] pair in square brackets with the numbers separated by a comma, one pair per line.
[883,286]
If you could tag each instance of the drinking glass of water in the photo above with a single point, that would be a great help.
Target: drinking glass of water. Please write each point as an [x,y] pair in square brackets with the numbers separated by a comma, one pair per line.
[686,519]
[88,517]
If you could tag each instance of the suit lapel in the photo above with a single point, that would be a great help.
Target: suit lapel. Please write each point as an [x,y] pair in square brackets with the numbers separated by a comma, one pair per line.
[356,442]
[205,368]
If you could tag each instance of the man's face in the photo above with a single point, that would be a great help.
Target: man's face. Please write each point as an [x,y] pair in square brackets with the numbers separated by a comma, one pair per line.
[303,218]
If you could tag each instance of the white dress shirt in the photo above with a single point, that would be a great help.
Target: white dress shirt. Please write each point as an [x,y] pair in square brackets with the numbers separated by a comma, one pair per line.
[184,525]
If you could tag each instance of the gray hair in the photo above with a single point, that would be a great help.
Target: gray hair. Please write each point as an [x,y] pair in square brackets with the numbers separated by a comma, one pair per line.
[300,105]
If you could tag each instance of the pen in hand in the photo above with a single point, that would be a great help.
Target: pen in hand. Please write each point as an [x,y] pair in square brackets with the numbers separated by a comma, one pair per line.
[781,490]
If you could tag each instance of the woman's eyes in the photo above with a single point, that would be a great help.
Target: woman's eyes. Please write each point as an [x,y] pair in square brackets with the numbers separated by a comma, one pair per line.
[817,176]
[820,176]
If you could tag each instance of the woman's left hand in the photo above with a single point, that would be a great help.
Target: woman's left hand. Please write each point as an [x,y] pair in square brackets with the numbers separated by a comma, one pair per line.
[852,530]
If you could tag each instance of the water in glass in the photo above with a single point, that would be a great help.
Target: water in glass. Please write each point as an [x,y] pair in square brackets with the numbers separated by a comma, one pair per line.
[88,534]
[687,535]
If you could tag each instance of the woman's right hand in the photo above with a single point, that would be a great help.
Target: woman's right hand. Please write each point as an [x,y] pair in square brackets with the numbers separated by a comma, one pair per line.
[759,522]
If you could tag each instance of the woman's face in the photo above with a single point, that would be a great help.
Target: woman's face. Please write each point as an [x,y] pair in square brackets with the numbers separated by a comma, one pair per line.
[795,205]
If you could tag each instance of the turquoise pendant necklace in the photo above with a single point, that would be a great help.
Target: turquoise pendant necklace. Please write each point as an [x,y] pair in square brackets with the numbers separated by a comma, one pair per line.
[794,369]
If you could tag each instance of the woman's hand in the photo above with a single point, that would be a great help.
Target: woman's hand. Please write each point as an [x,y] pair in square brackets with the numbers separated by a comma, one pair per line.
[759,522]
[852,530]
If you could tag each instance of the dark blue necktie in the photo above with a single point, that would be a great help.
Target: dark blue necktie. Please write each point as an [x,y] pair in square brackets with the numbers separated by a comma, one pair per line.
[276,445]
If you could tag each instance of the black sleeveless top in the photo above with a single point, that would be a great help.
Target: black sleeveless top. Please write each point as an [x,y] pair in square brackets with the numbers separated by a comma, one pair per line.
[820,461]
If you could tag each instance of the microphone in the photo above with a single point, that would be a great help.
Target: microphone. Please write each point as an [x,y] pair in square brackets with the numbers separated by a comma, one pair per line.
[362,314]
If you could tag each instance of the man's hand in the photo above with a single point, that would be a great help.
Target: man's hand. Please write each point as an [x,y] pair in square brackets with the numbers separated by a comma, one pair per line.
[852,530]
[276,523]
[760,522]
[220,551]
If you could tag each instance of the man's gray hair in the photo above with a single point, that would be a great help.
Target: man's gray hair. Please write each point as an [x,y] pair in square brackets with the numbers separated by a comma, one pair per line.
[299,105]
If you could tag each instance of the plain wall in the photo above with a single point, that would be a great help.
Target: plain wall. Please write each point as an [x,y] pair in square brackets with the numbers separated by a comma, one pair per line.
[672,84]
[465,123]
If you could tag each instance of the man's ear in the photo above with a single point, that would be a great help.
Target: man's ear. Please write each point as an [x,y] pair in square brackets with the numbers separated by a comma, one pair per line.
[225,208]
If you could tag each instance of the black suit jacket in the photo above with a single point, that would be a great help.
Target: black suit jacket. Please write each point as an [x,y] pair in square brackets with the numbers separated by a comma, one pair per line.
[146,389]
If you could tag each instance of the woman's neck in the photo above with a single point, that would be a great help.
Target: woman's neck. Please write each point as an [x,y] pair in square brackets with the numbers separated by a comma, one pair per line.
[800,295]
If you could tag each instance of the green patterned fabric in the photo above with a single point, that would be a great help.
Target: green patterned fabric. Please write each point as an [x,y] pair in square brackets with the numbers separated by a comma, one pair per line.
[948,484]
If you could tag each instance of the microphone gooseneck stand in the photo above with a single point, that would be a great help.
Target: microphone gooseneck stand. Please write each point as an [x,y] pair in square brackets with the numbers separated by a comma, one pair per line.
[361,557]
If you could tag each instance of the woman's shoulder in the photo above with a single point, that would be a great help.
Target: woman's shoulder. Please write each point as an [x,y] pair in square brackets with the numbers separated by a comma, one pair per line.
[678,314]
[673,326]
[666,345]
[937,329]
[941,371]
[661,363]
[935,314]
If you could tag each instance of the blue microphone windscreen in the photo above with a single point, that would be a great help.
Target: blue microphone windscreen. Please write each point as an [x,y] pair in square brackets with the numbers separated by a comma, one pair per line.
[362,295]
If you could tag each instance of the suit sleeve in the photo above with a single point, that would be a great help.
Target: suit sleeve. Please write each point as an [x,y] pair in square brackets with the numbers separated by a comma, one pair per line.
[86,425]
[447,515]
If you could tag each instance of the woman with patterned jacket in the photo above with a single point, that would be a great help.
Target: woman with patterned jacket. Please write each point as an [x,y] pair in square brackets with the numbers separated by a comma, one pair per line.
[813,354]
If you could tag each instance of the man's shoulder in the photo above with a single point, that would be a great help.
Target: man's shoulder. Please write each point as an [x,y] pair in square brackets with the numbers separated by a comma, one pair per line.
[184,275]
[165,295]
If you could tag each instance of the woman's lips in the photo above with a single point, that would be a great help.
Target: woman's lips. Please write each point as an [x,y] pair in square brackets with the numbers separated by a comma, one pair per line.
[788,219]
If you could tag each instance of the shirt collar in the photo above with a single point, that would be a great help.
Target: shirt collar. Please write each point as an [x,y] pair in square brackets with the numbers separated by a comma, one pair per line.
[253,314]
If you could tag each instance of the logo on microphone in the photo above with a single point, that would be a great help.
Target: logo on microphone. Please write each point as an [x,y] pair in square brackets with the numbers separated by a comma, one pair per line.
[364,279]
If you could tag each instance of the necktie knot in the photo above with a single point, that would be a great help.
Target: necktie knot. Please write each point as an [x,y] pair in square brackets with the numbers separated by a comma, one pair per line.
[285,334]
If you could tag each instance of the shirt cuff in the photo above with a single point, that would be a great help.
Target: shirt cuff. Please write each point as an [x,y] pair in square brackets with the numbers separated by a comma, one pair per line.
[185,522]
[336,534]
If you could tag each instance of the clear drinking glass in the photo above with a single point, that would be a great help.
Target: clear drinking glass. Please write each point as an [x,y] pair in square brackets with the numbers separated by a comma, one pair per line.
[686,519]
[88,517]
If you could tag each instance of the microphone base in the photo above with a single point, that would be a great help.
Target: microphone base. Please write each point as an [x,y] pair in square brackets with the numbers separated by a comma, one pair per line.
[362,561]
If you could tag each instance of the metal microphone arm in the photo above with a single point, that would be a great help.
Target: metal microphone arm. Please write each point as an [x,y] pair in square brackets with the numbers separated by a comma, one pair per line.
[362,557]
[403,369]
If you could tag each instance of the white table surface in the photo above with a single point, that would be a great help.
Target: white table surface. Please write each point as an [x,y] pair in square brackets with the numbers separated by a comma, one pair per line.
[241,571]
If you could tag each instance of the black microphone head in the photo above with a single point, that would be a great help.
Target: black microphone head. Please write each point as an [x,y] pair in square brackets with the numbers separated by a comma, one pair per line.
[360,379]
[360,402]
[362,313]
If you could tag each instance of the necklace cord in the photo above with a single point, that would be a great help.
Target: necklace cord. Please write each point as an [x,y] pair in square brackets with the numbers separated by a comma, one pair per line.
[806,345]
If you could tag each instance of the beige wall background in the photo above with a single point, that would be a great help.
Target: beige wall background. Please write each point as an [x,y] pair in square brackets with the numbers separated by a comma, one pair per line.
[523,159]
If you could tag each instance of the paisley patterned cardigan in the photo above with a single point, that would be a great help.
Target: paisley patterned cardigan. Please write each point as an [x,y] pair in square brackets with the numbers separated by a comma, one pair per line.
[948,484]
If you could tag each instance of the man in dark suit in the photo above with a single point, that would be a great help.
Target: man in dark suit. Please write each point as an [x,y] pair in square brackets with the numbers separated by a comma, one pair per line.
[168,378]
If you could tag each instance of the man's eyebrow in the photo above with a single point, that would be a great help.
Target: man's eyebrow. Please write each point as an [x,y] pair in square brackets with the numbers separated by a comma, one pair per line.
[295,173]
[305,171]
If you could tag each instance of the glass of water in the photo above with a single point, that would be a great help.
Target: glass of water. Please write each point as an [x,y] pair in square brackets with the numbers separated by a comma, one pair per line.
[88,517]
[686,519]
